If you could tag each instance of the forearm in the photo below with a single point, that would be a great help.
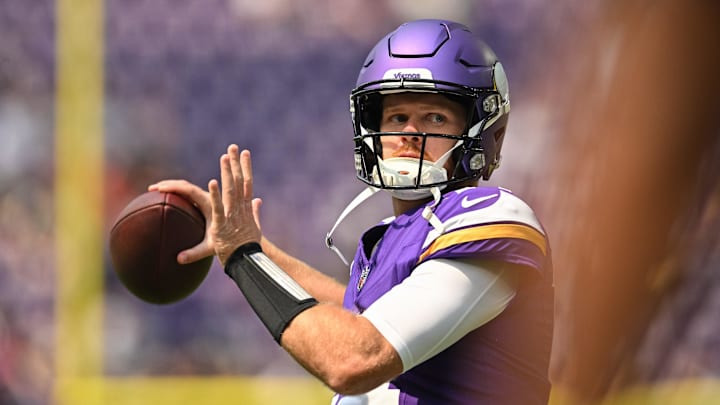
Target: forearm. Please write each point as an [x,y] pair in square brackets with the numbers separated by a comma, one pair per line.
[321,286]
[342,349]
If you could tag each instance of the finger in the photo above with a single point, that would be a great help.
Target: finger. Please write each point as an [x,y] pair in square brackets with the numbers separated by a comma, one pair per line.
[226,178]
[174,184]
[218,210]
[189,191]
[246,165]
[195,253]
[256,204]
[237,172]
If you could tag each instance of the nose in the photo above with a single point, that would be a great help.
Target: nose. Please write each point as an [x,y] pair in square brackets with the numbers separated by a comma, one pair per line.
[412,127]
[410,138]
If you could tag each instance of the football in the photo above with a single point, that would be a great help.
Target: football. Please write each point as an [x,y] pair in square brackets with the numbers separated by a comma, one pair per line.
[145,241]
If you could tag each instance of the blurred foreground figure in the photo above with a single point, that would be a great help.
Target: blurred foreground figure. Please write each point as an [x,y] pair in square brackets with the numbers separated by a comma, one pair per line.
[643,155]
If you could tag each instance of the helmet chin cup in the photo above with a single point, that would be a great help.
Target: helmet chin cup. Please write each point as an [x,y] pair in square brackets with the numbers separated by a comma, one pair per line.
[401,172]
[410,194]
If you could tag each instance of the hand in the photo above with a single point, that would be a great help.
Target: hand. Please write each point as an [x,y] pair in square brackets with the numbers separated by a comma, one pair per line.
[235,214]
[220,226]
[201,199]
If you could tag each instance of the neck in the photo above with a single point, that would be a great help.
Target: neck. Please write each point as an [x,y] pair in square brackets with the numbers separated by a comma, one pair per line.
[401,206]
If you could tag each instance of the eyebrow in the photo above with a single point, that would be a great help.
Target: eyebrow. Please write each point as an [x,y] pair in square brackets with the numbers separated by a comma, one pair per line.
[422,107]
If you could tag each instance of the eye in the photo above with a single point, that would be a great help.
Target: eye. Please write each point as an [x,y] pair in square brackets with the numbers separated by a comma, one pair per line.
[436,118]
[398,119]
[394,122]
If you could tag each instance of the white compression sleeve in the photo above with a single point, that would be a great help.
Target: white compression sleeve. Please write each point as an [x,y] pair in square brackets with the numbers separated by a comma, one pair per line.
[439,303]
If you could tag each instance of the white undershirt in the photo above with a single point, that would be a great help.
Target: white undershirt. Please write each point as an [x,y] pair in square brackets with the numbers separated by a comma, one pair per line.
[439,303]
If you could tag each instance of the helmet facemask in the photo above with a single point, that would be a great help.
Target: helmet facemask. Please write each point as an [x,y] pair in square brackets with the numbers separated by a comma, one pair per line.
[409,178]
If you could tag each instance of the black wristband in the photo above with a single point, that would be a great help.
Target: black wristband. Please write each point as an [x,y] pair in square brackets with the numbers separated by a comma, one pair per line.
[274,296]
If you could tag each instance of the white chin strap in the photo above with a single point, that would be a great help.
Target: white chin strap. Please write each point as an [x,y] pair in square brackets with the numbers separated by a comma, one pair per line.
[359,199]
[368,192]
[401,172]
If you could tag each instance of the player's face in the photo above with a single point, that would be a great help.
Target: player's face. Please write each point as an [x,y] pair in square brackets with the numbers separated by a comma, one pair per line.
[420,112]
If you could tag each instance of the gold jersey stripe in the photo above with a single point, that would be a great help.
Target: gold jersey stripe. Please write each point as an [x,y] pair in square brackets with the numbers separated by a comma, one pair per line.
[493,231]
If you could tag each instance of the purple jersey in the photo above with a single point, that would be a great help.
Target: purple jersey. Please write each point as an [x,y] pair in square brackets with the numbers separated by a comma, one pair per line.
[505,361]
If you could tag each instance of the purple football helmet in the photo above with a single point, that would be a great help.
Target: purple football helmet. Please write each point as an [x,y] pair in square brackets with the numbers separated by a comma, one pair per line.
[435,56]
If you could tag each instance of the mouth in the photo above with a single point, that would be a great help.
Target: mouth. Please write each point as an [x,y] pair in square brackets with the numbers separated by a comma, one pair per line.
[412,153]
[407,154]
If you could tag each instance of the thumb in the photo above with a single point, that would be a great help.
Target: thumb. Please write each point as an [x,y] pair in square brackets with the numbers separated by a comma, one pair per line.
[195,253]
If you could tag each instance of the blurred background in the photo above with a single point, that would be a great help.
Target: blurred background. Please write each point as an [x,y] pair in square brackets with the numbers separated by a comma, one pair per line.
[613,140]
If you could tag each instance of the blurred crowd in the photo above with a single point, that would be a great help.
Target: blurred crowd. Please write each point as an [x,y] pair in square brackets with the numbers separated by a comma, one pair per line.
[183,79]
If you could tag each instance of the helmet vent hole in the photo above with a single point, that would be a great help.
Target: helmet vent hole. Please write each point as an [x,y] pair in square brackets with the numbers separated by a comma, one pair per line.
[499,134]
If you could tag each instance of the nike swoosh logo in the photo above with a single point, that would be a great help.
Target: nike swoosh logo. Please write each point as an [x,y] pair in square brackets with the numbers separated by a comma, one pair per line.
[467,203]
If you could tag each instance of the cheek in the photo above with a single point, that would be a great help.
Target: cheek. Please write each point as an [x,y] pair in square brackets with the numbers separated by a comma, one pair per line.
[437,147]
[389,145]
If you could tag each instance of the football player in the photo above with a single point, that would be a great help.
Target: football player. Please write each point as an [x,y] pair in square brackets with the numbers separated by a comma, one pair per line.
[448,302]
